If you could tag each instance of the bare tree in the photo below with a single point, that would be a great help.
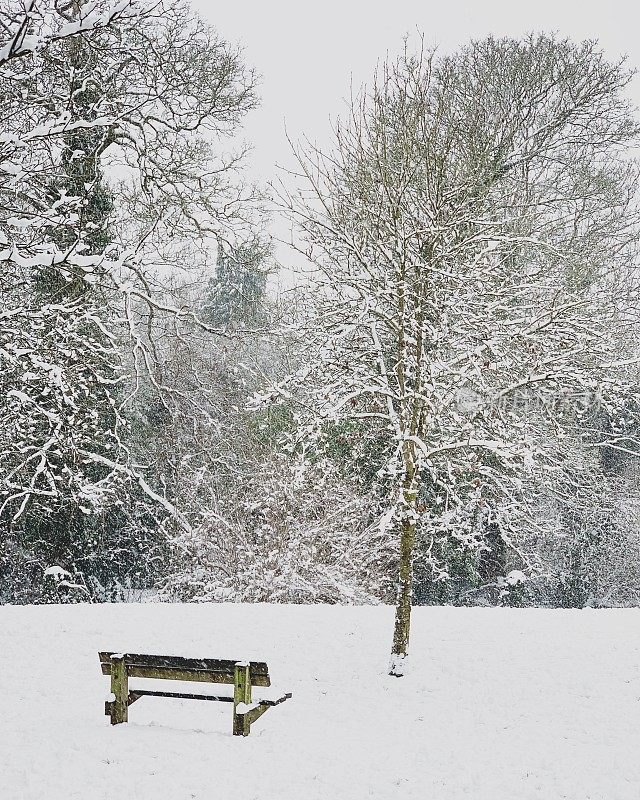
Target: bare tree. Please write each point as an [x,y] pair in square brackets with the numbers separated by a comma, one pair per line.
[473,230]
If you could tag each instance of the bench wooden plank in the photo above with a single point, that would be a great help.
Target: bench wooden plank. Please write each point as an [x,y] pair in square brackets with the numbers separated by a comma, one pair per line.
[134,694]
[178,662]
[171,674]
[271,703]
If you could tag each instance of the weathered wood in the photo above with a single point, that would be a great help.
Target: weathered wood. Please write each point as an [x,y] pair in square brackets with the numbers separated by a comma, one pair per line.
[271,703]
[261,707]
[258,668]
[135,694]
[200,675]
[120,689]
[254,714]
[241,694]
[122,666]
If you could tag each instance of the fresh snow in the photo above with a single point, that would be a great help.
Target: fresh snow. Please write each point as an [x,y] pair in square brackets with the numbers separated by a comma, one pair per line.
[244,708]
[57,572]
[515,578]
[497,704]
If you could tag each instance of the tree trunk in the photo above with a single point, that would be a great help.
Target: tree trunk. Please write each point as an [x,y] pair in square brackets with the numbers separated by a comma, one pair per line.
[403,606]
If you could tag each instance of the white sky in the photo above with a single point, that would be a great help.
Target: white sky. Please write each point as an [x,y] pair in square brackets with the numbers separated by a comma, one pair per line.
[309,53]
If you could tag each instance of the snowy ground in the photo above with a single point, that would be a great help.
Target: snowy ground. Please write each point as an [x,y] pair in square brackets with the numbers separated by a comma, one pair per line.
[500,704]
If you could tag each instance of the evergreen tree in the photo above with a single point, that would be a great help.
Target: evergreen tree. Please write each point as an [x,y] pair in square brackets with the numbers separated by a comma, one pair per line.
[236,295]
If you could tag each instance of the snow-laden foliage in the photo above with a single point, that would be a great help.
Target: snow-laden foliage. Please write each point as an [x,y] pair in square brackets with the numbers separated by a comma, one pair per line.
[289,533]
[89,88]
[260,525]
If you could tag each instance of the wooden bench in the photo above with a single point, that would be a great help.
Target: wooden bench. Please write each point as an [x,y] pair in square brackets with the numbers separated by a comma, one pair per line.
[242,674]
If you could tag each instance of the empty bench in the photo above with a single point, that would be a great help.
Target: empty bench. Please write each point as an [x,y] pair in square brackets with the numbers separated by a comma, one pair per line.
[242,674]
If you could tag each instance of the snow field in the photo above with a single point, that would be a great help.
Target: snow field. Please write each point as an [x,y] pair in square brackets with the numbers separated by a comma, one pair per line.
[500,704]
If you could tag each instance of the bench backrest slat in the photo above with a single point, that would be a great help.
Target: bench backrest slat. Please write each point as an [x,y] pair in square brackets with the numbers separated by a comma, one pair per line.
[210,670]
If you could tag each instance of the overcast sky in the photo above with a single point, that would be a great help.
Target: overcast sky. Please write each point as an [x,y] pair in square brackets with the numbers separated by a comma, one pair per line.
[308,53]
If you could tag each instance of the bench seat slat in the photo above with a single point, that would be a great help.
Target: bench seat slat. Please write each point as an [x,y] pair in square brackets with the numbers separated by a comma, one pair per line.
[178,662]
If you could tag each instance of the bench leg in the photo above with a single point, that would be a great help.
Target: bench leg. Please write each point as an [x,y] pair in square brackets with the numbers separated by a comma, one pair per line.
[120,689]
[241,694]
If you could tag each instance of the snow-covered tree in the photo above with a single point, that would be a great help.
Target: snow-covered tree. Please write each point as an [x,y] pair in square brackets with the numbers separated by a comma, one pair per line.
[473,231]
[89,88]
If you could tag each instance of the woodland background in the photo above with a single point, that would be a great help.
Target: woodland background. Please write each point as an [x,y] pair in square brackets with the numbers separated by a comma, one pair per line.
[449,394]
